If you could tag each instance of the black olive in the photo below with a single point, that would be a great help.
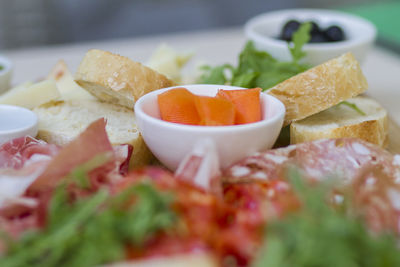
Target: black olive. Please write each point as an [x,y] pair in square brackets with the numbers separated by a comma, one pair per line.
[314,28]
[318,38]
[334,34]
[288,29]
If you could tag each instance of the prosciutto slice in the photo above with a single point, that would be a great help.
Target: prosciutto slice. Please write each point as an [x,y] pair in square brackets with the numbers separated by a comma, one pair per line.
[22,160]
[201,167]
[31,169]
[92,142]
[16,152]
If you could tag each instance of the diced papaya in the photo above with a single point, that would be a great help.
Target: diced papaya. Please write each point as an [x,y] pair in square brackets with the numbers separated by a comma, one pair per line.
[177,105]
[247,104]
[214,111]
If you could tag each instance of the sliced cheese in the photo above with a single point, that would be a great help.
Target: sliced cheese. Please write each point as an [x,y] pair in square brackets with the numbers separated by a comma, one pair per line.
[30,96]
[169,62]
[67,87]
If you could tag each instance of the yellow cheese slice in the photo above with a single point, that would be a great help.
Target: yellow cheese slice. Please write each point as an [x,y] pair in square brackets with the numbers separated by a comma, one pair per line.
[169,62]
[30,96]
[66,85]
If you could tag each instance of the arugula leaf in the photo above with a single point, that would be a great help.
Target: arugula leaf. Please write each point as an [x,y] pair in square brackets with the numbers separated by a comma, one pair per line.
[1,67]
[258,68]
[300,38]
[319,235]
[215,75]
[94,230]
[353,106]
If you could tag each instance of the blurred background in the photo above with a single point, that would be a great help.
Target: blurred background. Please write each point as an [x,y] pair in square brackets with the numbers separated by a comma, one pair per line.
[30,23]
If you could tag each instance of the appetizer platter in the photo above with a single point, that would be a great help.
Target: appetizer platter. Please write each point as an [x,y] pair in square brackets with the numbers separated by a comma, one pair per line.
[263,163]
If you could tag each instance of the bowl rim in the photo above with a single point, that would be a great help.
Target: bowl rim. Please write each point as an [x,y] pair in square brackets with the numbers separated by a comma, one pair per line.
[6,63]
[201,128]
[261,19]
[33,119]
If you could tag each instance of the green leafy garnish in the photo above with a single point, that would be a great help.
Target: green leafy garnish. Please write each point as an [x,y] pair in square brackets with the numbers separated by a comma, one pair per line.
[353,106]
[300,38]
[94,230]
[258,68]
[1,67]
[319,235]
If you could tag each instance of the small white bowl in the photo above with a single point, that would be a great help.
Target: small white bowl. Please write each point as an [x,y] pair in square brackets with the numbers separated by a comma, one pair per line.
[5,74]
[264,30]
[171,142]
[16,122]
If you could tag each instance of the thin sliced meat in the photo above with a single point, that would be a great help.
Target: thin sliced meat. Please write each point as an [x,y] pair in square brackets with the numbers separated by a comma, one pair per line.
[123,154]
[376,197]
[22,160]
[92,142]
[206,221]
[343,157]
[16,152]
[201,167]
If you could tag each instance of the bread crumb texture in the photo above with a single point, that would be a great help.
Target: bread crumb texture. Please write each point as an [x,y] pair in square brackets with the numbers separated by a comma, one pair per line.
[320,87]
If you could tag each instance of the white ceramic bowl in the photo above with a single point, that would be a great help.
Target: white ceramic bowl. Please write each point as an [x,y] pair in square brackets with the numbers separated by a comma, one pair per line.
[264,30]
[171,142]
[5,74]
[16,122]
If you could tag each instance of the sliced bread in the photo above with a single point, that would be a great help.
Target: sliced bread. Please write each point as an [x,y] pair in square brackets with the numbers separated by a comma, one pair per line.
[61,122]
[343,121]
[117,79]
[320,87]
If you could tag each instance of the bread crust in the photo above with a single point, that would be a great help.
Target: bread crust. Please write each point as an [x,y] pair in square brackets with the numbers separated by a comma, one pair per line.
[117,79]
[320,87]
[372,128]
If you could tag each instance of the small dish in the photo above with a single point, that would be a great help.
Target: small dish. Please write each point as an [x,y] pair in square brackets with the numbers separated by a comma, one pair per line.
[264,30]
[5,74]
[16,122]
[171,142]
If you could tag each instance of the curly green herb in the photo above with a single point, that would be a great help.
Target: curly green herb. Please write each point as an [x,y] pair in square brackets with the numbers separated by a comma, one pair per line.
[258,68]
[321,236]
[94,230]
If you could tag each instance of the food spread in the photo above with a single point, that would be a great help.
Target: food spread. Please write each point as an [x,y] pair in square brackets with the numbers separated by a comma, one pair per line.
[82,204]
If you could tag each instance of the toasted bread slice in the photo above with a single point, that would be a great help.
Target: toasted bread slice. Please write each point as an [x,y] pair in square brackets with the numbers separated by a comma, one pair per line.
[65,83]
[61,122]
[320,87]
[343,121]
[117,79]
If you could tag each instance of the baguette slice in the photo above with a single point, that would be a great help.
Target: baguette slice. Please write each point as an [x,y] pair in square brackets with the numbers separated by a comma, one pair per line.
[117,79]
[343,121]
[61,122]
[320,87]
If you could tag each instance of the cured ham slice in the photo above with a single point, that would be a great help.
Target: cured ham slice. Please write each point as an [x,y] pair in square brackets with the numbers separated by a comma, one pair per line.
[344,157]
[16,152]
[201,167]
[92,142]
[22,160]
[32,168]
[209,223]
